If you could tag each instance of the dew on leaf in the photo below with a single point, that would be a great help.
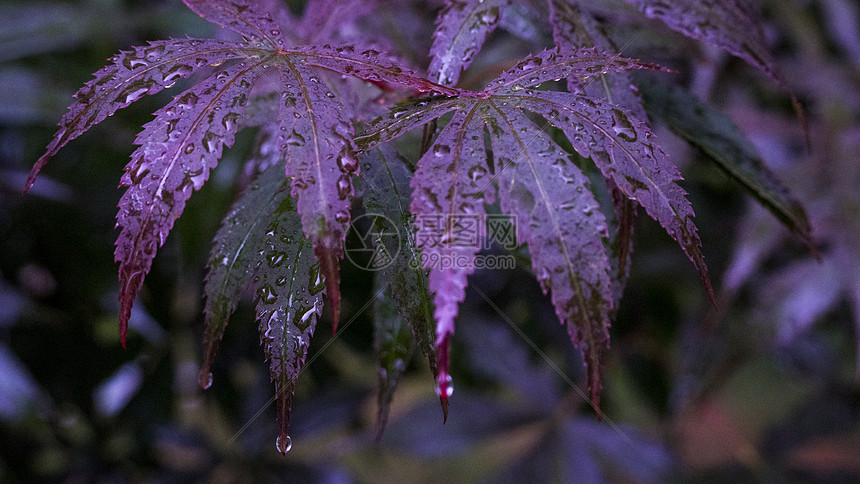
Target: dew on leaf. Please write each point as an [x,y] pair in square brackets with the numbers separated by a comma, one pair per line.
[490,15]
[344,187]
[187,100]
[177,71]
[267,294]
[210,142]
[622,126]
[441,150]
[132,62]
[342,216]
[294,139]
[230,120]
[134,92]
[316,282]
[275,259]
[347,163]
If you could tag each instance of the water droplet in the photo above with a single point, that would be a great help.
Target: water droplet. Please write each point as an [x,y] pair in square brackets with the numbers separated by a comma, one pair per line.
[275,259]
[267,294]
[622,126]
[133,62]
[517,87]
[210,141]
[189,148]
[316,282]
[344,187]
[208,381]
[490,15]
[342,216]
[133,94]
[441,150]
[230,120]
[477,172]
[444,385]
[187,100]
[284,444]
[294,139]
[347,163]
[177,71]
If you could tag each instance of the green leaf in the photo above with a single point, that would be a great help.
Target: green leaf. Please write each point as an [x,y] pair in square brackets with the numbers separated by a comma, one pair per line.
[385,183]
[234,253]
[289,287]
[723,142]
[394,346]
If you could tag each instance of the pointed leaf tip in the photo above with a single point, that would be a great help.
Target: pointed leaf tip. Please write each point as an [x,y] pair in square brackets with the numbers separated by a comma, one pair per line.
[131,283]
[204,378]
[444,383]
[330,269]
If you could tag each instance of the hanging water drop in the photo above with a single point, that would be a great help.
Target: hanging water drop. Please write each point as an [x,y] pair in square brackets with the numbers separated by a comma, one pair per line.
[284,444]
[208,382]
[444,386]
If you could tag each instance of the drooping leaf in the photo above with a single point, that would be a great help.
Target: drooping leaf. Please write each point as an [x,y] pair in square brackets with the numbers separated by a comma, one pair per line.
[242,18]
[177,150]
[385,184]
[462,27]
[574,29]
[620,241]
[289,287]
[621,147]
[558,217]
[450,187]
[234,254]
[393,342]
[717,136]
[727,24]
[130,76]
